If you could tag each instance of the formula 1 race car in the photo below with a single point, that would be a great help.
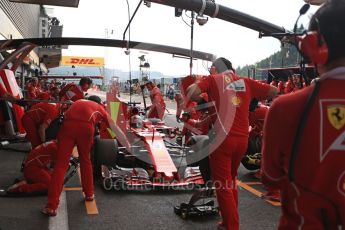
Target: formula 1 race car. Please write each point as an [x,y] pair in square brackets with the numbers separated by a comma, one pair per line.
[154,159]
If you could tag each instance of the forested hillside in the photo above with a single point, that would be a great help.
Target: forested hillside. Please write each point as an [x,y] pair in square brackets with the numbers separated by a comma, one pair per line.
[288,56]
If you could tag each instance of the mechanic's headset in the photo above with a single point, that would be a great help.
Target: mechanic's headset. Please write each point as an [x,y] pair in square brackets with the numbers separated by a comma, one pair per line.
[313,47]
[312,44]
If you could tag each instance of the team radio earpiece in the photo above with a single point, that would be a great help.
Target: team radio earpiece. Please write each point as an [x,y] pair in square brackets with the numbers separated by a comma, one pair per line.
[313,47]
[311,44]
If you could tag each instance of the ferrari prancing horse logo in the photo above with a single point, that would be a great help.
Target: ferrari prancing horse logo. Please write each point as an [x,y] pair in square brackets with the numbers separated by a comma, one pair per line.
[236,101]
[227,79]
[336,115]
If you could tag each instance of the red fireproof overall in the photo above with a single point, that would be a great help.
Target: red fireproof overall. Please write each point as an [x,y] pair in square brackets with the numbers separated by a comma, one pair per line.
[77,129]
[157,108]
[37,168]
[231,95]
[71,92]
[312,199]
[37,115]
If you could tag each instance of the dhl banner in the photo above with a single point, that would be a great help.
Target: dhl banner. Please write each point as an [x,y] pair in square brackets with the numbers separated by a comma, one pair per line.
[82,61]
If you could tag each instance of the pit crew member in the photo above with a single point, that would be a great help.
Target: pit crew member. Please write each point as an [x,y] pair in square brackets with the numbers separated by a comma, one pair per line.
[281,87]
[189,107]
[188,127]
[289,86]
[231,95]
[157,109]
[311,174]
[78,129]
[37,119]
[37,169]
[75,92]
[32,88]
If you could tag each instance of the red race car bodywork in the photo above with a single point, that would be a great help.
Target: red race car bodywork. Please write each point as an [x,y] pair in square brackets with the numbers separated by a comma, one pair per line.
[12,113]
[150,160]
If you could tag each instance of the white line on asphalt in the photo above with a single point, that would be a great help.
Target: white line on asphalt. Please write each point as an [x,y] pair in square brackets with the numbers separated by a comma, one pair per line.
[60,221]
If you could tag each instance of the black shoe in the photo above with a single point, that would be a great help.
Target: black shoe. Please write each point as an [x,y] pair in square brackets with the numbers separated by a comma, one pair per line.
[48,211]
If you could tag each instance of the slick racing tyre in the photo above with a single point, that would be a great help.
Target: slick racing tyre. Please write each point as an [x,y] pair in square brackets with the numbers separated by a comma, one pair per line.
[251,161]
[104,153]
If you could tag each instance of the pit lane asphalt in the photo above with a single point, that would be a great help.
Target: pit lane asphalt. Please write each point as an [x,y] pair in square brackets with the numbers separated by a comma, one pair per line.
[122,209]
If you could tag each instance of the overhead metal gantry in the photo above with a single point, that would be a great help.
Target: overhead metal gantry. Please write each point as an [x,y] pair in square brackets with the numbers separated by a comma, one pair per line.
[67,3]
[15,43]
[212,9]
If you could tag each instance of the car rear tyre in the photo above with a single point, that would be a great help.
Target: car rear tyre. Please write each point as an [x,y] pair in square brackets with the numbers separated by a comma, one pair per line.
[252,149]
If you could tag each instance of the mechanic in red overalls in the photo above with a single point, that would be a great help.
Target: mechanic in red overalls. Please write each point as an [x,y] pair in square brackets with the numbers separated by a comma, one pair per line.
[37,119]
[297,82]
[78,129]
[52,84]
[190,108]
[157,109]
[231,95]
[281,87]
[75,92]
[257,117]
[274,82]
[312,177]
[37,169]
[289,87]
[196,126]
[31,89]
[188,127]
[192,125]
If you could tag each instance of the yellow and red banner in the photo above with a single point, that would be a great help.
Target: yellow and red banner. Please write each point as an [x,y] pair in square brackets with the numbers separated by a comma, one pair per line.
[82,61]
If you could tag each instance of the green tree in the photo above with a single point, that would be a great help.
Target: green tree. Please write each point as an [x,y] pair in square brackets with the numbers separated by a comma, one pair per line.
[288,56]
